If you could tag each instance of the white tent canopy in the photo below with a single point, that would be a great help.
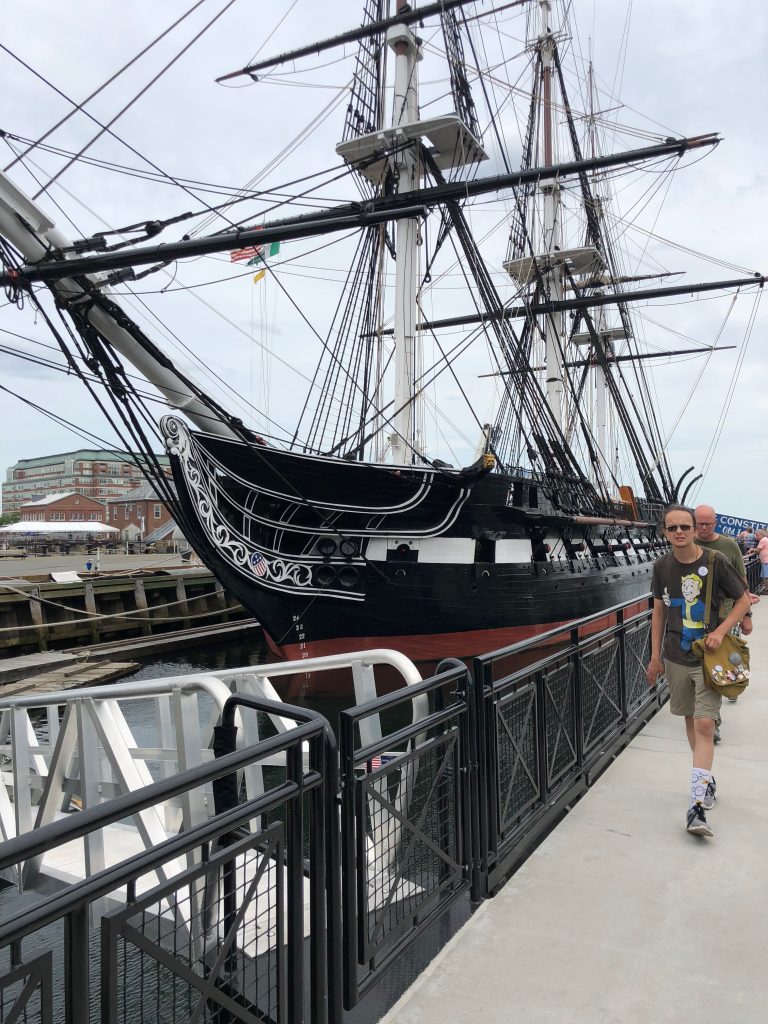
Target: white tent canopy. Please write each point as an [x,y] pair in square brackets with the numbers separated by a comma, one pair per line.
[46,529]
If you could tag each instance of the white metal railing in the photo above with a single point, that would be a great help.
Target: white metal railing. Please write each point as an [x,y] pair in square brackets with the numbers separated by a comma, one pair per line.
[76,748]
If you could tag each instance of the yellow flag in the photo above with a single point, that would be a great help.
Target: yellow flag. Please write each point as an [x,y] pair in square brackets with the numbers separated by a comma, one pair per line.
[258,277]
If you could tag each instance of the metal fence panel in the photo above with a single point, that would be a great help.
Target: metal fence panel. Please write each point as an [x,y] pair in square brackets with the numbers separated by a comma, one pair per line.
[221,958]
[637,648]
[561,723]
[518,781]
[405,839]
[601,699]
[26,992]
[410,848]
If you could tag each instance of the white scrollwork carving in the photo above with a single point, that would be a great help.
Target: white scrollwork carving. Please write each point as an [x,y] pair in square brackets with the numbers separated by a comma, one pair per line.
[247,559]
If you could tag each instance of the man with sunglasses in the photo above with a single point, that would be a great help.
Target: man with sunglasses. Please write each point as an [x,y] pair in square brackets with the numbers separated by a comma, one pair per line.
[679,586]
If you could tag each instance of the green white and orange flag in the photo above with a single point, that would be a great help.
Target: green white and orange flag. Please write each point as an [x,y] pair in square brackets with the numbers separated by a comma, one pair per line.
[261,257]
[252,254]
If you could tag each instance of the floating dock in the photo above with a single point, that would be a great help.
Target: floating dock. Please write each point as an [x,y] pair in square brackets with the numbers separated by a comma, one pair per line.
[14,670]
[67,677]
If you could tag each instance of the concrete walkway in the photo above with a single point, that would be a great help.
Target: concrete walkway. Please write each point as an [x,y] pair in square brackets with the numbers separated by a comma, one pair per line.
[621,916]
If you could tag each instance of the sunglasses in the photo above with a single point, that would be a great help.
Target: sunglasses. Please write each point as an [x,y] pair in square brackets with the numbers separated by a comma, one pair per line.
[685,527]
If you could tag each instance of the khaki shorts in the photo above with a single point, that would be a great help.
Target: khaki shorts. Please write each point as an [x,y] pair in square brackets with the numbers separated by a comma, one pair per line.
[689,694]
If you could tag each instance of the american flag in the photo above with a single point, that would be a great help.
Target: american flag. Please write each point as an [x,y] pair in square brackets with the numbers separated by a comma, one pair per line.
[249,253]
[381,759]
[259,564]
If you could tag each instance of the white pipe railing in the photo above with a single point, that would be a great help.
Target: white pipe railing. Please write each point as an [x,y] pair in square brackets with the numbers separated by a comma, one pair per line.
[76,748]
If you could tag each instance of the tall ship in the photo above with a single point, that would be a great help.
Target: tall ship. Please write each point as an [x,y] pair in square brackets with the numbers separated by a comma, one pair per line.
[474,455]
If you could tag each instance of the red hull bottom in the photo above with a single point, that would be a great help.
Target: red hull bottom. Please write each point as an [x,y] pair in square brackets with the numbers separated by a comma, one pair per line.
[420,647]
[425,650]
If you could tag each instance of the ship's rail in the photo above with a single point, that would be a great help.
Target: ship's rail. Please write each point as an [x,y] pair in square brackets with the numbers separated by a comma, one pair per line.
[292,900]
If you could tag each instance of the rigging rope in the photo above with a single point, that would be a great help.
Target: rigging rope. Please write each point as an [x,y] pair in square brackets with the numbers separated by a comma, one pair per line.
[106,128]
[81,106]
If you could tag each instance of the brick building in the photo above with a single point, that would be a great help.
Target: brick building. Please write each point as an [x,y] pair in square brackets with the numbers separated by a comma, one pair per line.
[97,474]
[63,508]
[140,515]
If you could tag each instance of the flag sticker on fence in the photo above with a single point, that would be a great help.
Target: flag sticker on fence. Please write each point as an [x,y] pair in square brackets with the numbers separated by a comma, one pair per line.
[259,564]
[380,760]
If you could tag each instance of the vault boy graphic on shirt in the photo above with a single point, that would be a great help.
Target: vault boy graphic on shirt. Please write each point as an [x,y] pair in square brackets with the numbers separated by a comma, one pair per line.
[691,609]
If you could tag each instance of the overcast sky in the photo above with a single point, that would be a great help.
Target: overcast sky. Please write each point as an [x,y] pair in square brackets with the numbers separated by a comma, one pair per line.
[686,69]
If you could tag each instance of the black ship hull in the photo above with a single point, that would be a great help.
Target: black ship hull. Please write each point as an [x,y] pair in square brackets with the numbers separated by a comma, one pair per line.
[334,557]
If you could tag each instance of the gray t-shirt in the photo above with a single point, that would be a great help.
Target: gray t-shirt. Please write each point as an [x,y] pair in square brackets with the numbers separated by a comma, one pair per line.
[682,587]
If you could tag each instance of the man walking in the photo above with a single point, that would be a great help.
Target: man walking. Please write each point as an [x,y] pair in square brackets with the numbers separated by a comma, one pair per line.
[705,519]
[679,587]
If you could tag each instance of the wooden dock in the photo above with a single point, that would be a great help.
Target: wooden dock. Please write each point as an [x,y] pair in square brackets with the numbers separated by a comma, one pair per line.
[39,614]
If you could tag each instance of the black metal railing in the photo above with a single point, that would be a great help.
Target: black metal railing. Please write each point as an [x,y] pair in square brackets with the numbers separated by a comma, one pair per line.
[405,831]
[293,905]
[220,940]
[548,728]
[753,568]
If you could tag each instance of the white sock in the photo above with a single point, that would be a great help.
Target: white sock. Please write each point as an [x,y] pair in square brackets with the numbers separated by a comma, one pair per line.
[700,779]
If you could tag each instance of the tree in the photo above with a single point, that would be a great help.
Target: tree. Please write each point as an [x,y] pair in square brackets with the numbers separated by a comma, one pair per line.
[7,518]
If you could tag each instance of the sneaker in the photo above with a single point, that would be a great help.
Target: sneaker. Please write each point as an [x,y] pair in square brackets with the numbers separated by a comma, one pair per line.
[696,822]
[732,700]
[717,736]
[710,795]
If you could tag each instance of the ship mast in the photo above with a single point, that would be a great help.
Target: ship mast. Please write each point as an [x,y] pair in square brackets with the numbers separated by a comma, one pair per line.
[393,160]
[552,239]
[406,436]
[601,384]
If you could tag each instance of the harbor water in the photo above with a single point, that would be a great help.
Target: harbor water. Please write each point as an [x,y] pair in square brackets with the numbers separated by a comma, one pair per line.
[222,656]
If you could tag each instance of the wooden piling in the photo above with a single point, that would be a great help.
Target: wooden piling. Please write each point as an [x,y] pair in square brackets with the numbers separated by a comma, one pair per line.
[140,597]
[182,605]
[36,615]
[90,606]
